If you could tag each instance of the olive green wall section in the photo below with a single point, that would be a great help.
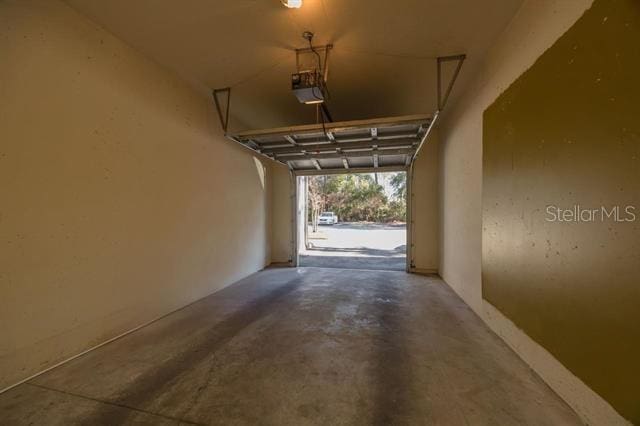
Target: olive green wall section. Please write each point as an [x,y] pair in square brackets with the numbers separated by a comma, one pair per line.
[120,198]
[566,133]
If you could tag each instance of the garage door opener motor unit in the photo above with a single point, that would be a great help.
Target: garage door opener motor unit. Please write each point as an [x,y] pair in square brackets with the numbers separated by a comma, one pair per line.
[308,86]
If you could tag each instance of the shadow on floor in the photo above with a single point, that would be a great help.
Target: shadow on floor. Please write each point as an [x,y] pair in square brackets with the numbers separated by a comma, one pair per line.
[297,347]
[354,262]
[365,226]
[358,251]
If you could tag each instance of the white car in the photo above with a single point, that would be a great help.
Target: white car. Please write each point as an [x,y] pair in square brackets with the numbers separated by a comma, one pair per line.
[327,218]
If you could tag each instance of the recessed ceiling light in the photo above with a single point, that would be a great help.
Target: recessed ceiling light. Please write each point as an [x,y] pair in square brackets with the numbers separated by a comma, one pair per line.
[294,4]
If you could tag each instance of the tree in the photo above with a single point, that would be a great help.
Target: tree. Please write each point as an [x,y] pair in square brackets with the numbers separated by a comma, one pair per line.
[316,199]
[356,197]
[398,182]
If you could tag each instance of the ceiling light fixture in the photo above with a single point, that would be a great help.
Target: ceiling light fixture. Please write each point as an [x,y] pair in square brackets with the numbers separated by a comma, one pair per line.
[292,4]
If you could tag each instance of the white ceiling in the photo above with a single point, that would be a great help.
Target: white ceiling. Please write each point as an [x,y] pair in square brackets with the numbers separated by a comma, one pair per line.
[382,64]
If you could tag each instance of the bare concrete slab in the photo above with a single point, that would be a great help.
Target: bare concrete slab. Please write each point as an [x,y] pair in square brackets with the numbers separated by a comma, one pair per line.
[300,347]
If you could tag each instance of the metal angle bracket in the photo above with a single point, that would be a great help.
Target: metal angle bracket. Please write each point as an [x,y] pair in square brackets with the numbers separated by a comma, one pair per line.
[325,63]
[224,117]
[442,101]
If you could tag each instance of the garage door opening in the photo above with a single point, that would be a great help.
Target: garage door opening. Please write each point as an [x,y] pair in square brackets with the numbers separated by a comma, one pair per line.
[354,221]
[347,148]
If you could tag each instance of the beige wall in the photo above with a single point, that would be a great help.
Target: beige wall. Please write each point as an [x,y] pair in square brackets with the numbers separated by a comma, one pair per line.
[425,207]
[281,214]
[536,26]
[120,200]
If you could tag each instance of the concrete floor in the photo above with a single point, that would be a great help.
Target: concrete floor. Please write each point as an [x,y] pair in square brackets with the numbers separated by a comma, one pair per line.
[358,246]
[300,347]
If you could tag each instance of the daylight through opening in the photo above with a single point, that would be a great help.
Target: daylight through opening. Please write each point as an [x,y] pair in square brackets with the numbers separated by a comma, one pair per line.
[354,221]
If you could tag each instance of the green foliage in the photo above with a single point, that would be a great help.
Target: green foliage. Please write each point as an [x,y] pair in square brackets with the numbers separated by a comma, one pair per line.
[399,183]
[357,197]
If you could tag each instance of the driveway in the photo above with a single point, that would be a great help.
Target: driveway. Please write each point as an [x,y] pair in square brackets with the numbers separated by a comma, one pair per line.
[357,246]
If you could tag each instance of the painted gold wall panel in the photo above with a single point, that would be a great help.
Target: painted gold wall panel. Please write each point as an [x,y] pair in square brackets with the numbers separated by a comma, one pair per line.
[567,134]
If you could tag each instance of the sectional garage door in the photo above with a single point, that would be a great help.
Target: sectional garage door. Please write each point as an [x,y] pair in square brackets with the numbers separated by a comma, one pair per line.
[386,144]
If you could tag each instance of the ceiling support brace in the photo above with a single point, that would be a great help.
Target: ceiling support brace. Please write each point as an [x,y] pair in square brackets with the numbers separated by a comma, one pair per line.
[441,59]
[224,121]
[325,65]
[441,101]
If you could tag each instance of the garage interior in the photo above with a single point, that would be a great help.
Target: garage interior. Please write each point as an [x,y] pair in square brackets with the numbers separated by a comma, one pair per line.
[149,160]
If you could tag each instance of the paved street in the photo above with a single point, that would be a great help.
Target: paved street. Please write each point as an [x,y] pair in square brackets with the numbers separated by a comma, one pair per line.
[357,246]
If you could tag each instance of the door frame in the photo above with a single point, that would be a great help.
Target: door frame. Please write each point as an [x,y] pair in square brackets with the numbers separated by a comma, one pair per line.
[300,188]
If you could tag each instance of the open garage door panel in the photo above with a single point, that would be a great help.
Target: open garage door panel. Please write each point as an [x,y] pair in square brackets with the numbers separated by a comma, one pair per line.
[385,144]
